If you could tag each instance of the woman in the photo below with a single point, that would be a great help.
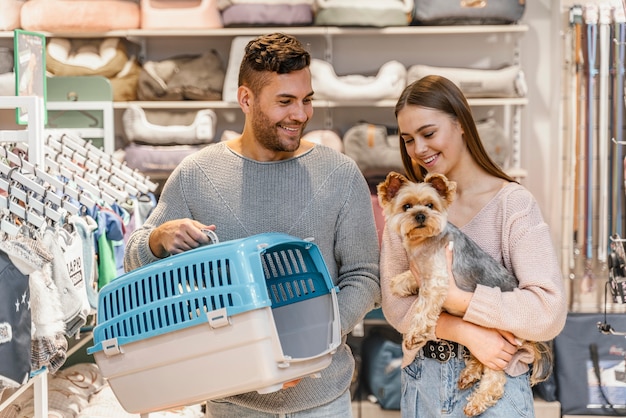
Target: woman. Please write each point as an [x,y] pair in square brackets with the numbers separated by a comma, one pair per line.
[438,134]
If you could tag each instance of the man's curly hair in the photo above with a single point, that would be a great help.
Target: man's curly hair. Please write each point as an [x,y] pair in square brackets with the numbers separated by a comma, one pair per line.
[275,53]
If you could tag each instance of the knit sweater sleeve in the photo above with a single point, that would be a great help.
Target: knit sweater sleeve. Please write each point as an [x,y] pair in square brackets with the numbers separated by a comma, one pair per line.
[357,253]
[537,309]
[137,252]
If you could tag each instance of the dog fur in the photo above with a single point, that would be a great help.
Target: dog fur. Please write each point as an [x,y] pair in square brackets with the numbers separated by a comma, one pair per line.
[418,213]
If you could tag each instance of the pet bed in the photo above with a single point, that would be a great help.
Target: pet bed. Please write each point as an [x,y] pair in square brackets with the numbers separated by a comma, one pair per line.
[266,12]
[78,57]
[508,81]
[467,12]
[106,57]
[180,14]
[80,15]
[157,159]
[374,148]
[184,77]
[10,11]
[388,83]
[172,129]
[363,12]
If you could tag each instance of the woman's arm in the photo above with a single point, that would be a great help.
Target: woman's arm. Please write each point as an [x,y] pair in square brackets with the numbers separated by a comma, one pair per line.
[393,261]
[537,309]
[491,347]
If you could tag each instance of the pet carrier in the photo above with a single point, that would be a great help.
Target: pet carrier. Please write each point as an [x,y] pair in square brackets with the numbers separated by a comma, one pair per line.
[223,319]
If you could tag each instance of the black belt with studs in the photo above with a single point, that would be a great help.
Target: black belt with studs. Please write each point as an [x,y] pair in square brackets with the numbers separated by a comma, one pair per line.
[443,350]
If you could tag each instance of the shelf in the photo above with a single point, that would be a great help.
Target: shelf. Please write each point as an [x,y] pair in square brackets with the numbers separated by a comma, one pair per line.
[294,30]
[322,104]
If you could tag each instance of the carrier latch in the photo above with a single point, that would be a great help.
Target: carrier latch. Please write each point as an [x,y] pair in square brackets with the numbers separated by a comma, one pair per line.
[110,347]
[218,318]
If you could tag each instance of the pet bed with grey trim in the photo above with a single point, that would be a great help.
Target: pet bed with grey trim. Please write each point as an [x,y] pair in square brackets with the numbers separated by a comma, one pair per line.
[139,128]
[386,84]
[508,81]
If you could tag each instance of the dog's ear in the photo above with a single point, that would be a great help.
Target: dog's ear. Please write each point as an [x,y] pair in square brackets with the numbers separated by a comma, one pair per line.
[389,188]
[446,188]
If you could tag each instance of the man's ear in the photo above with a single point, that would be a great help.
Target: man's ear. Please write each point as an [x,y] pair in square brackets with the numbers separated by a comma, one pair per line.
[244,97]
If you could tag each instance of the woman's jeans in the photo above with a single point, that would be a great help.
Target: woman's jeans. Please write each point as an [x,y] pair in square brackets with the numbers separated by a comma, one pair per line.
[430,389]
[339,408]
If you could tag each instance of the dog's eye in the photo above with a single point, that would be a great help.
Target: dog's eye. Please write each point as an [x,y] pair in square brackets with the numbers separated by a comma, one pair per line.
[406,207]
[429,205]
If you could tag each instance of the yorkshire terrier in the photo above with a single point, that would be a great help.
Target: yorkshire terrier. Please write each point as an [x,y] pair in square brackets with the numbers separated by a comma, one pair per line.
[418,213]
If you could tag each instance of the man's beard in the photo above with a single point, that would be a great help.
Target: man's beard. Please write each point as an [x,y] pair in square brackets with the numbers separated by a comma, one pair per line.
[266,133]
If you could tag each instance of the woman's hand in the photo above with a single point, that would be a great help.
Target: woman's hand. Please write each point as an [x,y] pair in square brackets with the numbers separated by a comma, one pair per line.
[493,348]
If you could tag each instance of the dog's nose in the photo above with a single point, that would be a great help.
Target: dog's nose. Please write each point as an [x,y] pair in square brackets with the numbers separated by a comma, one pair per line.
[420,218]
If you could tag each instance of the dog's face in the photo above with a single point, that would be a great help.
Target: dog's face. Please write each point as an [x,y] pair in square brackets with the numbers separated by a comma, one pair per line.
[416,211]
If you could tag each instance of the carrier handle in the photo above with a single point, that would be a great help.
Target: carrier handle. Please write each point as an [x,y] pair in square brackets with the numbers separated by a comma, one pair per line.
[212,236]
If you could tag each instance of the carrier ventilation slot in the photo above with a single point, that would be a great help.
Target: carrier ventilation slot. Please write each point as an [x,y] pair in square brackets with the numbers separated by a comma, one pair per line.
[152,304]
[288,279]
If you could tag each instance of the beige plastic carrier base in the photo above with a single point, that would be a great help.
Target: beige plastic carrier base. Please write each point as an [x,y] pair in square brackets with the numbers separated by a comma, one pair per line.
[199,363]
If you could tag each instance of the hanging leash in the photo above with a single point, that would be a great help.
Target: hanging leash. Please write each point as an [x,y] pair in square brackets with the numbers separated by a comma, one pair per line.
[603,131]
[591,19]
[619,58]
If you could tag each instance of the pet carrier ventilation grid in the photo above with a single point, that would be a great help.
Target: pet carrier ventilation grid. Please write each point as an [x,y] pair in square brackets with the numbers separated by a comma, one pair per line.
[228,318]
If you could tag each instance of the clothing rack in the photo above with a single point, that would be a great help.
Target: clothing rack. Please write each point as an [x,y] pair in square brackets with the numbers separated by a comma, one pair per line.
[31,135]
[48,174]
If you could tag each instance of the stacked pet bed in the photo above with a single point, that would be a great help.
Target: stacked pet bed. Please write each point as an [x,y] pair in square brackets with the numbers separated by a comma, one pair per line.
[237,13]
[159,140]
[388,83]
[184,77]
[507,81]
[174,14]
[79,15]
[106,57]
[10,11]
[363,12]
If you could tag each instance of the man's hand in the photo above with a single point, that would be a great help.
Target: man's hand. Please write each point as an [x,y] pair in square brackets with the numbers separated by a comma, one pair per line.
[177,236]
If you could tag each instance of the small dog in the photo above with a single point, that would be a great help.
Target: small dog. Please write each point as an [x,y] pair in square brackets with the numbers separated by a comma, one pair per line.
[418,213]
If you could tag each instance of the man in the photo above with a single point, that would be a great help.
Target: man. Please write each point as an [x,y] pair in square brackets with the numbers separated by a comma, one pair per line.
[269,180]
